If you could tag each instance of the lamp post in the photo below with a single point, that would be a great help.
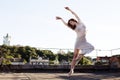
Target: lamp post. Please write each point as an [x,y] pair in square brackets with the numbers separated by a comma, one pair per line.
[111,52]
[97,52]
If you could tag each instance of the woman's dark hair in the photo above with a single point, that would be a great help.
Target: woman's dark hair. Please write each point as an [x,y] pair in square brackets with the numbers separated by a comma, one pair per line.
[71,26]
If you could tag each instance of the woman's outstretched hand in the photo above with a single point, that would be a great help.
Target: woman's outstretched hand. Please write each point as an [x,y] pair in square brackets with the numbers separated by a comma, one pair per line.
[67,8]
[58,18]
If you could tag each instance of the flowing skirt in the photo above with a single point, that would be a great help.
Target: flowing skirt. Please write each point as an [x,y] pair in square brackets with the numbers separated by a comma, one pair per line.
[83,45]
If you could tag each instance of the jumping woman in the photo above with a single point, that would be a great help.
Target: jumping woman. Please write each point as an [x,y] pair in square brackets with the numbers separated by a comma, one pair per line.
[81,47]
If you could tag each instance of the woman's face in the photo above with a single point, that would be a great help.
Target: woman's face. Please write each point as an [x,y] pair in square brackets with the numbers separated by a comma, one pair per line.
[73,23]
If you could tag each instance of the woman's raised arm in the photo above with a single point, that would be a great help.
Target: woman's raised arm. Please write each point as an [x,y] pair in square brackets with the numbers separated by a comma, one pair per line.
[67,8]
[59,18]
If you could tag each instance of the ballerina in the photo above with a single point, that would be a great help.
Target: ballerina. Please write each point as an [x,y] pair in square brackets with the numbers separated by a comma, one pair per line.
[81,47]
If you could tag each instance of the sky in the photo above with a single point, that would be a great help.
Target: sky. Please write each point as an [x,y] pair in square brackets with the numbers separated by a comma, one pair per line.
[32,22]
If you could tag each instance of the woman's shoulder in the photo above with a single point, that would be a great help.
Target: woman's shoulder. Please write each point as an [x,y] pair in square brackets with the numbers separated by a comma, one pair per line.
[80,24]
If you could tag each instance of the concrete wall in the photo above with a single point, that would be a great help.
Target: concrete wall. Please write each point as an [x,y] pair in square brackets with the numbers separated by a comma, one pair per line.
[54,67]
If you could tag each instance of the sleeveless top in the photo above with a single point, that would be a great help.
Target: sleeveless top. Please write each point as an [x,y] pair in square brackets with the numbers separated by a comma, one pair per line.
[81,33]
[81,42]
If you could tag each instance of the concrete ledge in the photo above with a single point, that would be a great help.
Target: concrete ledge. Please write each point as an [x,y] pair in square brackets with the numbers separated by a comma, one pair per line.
[56,67]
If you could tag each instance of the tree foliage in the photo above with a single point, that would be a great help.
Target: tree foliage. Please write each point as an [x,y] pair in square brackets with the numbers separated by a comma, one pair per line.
[27,52]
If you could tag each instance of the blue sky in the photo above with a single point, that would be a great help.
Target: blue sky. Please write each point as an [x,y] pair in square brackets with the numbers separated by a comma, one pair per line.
[33,23]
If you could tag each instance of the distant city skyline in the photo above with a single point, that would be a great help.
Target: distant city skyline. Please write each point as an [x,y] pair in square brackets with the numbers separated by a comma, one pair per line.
[95,53]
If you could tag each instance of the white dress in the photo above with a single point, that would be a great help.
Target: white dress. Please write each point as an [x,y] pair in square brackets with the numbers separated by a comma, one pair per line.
[81,42]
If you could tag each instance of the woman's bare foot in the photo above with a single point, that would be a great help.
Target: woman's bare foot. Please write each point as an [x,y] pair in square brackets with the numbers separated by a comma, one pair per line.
[71,72]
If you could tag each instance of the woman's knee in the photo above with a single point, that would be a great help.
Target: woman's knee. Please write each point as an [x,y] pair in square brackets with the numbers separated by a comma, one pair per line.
[79,56]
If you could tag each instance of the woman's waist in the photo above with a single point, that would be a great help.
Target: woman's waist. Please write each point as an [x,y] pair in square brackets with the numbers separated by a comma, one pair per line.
[81,38]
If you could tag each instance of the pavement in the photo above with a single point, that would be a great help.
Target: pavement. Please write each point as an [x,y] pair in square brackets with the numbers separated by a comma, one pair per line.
[60,76]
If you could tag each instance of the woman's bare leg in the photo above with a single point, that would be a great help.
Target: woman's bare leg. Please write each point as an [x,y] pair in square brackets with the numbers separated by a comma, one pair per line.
[73,63]
[76,58]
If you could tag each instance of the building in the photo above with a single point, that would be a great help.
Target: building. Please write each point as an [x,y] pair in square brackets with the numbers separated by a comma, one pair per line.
[60,52]
[103,60]
[39,61]
[6,40]
[17,61]
[113,61]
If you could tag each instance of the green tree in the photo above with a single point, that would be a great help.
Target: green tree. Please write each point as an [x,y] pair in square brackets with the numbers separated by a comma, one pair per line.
[49,54]
[70,56]
[85,61]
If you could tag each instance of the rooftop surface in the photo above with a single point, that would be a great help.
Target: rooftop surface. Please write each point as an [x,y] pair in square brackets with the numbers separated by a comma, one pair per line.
[60,76]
